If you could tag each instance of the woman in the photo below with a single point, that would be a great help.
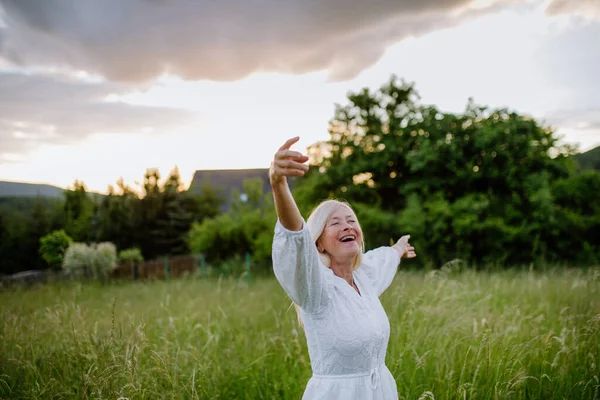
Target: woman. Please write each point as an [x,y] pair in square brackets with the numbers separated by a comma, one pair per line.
[321,266]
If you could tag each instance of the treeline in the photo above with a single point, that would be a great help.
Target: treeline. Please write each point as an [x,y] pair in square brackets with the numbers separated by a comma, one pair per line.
[155,219]
[487,186]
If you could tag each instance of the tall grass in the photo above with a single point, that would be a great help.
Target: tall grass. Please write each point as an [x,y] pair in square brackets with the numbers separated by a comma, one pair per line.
[454,335]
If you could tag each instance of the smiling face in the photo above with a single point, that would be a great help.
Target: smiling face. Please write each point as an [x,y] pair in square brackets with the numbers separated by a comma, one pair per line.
[341,238]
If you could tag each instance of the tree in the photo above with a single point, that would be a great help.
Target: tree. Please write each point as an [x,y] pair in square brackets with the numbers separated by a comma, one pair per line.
[173,220]
[53,247]
[478,183]
[130,255]
[148,210]
[79,210]
[246,228]
[118,212]
[206,204]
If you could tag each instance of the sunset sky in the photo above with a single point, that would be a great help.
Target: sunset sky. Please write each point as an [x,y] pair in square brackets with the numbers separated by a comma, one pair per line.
[97,90]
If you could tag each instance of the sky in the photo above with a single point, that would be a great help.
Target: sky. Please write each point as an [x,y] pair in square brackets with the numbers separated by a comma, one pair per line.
[101,90]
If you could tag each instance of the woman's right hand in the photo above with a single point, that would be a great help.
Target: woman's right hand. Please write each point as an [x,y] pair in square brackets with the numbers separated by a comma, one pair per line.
[287,162]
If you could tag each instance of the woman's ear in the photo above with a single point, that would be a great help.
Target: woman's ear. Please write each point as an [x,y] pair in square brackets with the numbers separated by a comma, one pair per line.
[320,247]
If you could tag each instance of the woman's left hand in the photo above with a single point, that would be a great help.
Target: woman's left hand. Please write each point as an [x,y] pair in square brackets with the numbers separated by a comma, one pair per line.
[404,248]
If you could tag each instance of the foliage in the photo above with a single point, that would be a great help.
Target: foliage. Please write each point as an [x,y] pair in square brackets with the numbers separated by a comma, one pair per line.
[517,335]
[156,220]
[485,186]
[79,211]
[131,256]
[53,247]
[23,222]
[96,259]
[105,258]
[246,228]
[78,257]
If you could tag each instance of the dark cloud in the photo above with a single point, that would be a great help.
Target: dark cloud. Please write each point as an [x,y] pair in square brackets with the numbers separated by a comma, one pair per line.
[136,40]
[39,109]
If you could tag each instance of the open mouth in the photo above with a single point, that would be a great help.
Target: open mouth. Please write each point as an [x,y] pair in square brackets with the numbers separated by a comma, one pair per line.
[348,238]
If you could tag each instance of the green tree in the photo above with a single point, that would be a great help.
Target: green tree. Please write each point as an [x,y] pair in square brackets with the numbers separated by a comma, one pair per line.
[130,255]
[206,204]
[79,210]
[478,183]
[53,247]
[246,228]
[173,220]
[117,216]
[148,211]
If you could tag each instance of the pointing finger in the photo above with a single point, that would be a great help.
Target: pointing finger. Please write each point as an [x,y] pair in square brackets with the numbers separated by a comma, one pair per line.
[289,143]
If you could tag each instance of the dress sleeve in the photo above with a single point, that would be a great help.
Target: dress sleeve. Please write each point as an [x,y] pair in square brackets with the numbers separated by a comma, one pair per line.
[381,265]
[298,268]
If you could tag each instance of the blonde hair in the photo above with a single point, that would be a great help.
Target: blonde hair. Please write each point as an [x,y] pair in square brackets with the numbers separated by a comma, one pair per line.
[316,222]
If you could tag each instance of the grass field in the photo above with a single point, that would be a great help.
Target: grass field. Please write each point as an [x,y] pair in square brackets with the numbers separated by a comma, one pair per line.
[497,335]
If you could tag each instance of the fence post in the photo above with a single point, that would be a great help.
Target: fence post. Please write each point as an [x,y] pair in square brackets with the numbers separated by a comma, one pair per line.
[135,270]
[167,268]
[248,262]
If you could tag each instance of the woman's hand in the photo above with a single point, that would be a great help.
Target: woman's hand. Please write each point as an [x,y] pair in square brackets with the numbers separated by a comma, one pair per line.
[287,162]
[404,248]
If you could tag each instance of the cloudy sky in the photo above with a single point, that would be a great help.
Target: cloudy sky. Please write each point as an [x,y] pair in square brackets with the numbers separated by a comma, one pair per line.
[97,90]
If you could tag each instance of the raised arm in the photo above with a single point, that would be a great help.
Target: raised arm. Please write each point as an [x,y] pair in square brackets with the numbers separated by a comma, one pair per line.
[287,163]
[295,258]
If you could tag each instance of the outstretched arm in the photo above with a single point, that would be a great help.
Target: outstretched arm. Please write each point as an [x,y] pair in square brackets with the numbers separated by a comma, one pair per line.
[286,163]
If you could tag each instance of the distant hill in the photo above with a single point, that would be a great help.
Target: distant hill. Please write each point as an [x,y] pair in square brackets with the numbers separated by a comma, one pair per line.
[19,189]
[24,190]
[590,159]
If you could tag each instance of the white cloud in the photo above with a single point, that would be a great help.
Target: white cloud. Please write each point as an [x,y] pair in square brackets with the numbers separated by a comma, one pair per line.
[41,109]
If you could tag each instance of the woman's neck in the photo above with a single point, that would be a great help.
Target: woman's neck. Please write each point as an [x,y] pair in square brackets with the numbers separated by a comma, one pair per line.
[343,270]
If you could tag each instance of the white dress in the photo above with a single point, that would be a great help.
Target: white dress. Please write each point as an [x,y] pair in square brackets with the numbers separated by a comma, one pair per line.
[347,333]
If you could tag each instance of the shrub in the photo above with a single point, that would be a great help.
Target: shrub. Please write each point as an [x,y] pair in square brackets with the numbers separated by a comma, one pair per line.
[105,258]
[131,255]
[78,258]
[53,247]
[97,259]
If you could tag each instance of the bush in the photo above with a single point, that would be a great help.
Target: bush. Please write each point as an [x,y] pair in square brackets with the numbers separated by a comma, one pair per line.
[53,247]
[97,259]
[131,255]
[78,258]
[105,258]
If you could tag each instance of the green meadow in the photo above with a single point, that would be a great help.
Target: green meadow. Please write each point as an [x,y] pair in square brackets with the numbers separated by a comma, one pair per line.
[513,334]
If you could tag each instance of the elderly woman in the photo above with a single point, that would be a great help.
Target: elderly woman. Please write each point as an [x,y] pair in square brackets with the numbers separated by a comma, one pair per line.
[322,266]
